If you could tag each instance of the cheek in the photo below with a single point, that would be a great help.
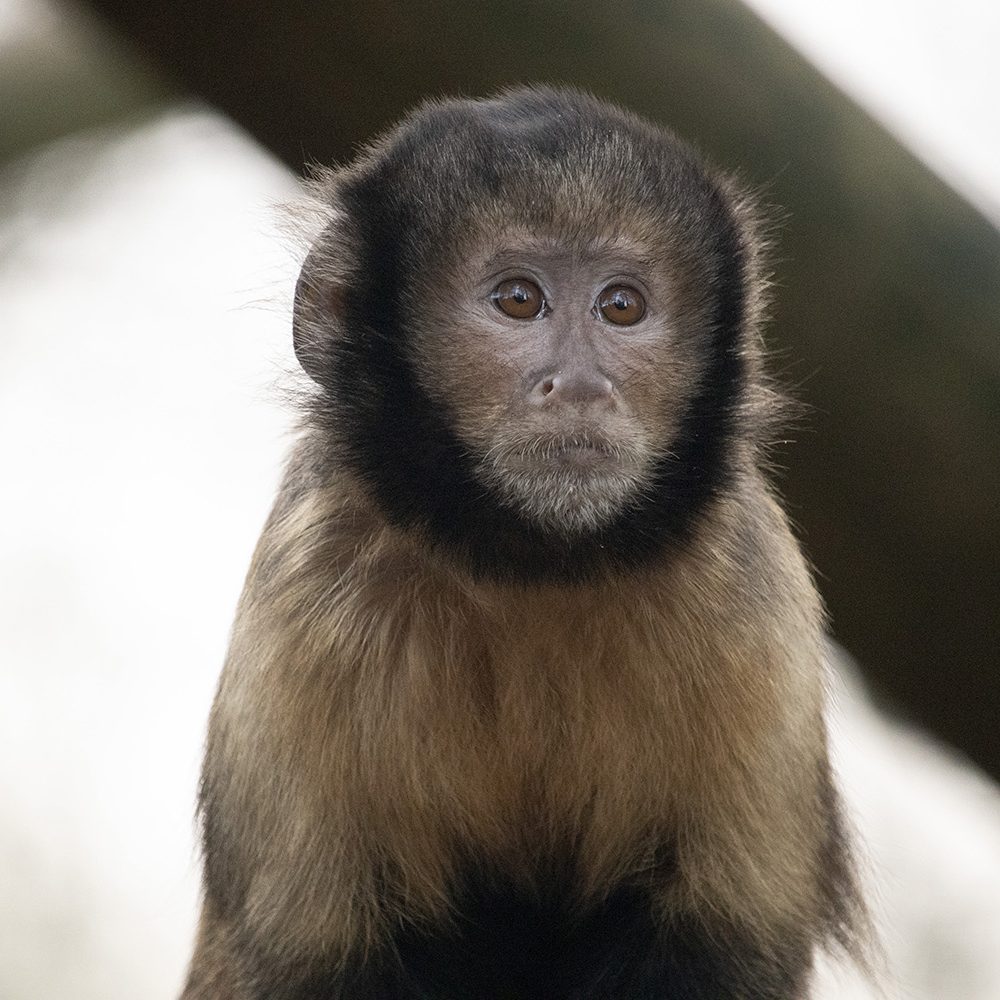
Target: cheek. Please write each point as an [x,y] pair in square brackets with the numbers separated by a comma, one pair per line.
[474,378]
[654,380]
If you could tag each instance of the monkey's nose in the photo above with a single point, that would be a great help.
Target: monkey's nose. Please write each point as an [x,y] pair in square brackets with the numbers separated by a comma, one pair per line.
[574,388]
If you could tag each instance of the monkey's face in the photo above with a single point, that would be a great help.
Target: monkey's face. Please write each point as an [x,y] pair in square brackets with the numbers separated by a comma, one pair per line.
[531,327]
[563,367]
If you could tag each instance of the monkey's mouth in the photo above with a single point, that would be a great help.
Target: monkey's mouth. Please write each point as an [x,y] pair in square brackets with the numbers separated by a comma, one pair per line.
[581,451]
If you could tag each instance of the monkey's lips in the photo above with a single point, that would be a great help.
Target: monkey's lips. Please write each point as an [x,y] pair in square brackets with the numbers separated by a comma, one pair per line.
[583,455]
[570,452]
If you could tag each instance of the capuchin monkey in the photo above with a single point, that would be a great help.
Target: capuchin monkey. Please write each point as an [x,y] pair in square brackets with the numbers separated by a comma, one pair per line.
[525,692]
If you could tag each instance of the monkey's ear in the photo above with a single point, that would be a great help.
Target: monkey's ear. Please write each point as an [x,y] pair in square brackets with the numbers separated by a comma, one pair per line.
[318,314]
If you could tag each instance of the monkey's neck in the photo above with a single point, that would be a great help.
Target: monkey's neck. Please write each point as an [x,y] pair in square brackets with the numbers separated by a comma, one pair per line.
[356,601]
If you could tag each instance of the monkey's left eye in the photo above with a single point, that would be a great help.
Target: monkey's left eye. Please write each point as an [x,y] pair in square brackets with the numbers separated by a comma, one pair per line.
[621,304]
[518,298]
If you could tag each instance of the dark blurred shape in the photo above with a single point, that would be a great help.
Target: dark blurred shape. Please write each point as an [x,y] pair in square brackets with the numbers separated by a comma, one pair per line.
[888,305]
[60,72]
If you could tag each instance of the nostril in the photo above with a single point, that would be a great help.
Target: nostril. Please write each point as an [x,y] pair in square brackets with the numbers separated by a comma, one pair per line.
[575,388]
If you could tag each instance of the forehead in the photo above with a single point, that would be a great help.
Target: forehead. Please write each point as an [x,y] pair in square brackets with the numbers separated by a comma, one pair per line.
[477,182]
[540,160]
[514,246]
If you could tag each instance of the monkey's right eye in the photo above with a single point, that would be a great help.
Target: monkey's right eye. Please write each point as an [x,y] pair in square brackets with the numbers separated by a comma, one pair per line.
[518,298]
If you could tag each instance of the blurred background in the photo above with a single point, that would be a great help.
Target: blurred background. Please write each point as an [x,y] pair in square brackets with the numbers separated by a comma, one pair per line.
[145,283]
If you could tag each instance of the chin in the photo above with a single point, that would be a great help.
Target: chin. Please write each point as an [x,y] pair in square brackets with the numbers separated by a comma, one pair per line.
[567,485]
[570,500]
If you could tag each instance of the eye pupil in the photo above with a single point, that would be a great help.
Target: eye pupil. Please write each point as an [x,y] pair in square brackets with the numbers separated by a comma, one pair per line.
[621,305]
[519,298]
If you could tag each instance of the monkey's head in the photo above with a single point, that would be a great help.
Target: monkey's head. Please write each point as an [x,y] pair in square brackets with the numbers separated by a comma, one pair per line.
[532,325]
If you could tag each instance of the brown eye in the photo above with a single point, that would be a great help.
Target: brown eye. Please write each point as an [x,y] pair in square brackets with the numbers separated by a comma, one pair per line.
[621,304]
[519,298]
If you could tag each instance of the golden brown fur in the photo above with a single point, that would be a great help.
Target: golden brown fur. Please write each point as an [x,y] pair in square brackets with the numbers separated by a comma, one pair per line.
[397,708]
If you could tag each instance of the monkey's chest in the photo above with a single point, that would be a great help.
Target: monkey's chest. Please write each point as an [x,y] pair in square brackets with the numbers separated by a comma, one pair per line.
[566,767]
